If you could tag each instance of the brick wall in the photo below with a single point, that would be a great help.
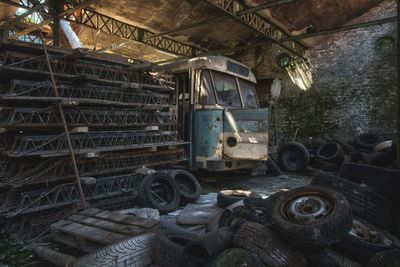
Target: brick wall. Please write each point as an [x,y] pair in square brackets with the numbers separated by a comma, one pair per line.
[354,88]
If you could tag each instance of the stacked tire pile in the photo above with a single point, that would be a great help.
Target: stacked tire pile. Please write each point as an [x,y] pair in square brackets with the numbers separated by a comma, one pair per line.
[329,155]
[169,189]
[333,222]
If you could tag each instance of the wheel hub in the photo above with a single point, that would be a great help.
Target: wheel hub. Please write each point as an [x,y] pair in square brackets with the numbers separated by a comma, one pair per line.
[308,209]
[369,233]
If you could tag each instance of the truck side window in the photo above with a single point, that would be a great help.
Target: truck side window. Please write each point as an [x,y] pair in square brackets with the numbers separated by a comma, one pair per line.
[207,96]
[227,91]
[248,94]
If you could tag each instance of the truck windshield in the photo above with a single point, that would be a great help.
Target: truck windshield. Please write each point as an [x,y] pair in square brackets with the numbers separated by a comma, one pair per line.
[226,90]
[248,93]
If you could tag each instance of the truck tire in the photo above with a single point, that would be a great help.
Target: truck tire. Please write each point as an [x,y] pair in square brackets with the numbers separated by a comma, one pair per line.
[227,197]
[158,190]
[389,258]
[365,240]
[267,246]
[326,166]
[312,216]
[188,185]
[331,152]
[365,202]
[385,181]
[293,157]
[380,159]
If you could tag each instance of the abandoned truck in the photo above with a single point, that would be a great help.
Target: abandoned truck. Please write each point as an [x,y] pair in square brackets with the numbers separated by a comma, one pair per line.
[219,114]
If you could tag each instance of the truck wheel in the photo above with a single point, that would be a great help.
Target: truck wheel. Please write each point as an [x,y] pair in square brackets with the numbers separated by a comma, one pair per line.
[331,152]
[293,157]
[227,197]
[158,190]
[365,202]
[385,181]
[267,246]
[365,240]
[312,216]
[389,258]
[188,185]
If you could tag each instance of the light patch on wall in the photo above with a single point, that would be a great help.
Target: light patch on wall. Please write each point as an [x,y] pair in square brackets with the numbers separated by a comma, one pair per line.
[300,74]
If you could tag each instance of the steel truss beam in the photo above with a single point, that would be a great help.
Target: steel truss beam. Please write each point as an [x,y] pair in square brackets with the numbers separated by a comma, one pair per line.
[51,145]
[97,21]
[264,6]
[89,94]
[258,23]
[15,63]
[49,18]
[21,172]
[48,117]
[67,194]
[345,28]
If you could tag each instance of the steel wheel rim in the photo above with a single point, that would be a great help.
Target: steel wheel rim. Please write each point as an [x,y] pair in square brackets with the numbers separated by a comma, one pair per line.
[307,208]
[369,233]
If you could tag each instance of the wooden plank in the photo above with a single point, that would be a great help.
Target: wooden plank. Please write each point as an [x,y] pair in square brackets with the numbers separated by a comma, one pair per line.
[90,211]
[126,219]
[93,234]
[123,229]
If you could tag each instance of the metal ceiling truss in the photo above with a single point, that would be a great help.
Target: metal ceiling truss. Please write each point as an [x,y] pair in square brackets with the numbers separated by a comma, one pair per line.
[260,24]
[22,172]
[127,31]
[91,142]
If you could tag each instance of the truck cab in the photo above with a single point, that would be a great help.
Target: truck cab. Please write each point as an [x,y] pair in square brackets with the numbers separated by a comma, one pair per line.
[219,114]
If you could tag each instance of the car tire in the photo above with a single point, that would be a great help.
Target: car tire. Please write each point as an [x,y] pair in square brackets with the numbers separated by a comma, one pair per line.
[331,152]
[293,157]
[389,258]
[169,248]
[367,141]
[267,246]
[188,185]
[312,216]
[357,247]
[380,159]
[330,258]
[365,202]
[385,181]
[236,257]
[226,198]
[158,190]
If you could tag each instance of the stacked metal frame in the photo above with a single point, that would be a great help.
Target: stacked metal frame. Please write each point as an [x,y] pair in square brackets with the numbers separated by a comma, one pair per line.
[119,118]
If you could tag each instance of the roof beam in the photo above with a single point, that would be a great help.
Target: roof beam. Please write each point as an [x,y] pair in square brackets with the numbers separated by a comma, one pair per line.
[344,28]
[49,19]
[187,27]
[260,24]
[264,6]
[106,24]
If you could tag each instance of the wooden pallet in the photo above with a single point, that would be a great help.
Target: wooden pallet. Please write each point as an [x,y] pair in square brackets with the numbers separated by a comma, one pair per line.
[93,229]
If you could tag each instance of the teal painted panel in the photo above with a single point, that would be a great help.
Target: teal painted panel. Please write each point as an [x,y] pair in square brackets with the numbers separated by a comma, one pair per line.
[208,133]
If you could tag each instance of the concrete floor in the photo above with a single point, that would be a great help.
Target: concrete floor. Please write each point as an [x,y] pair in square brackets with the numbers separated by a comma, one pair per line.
[264,185]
